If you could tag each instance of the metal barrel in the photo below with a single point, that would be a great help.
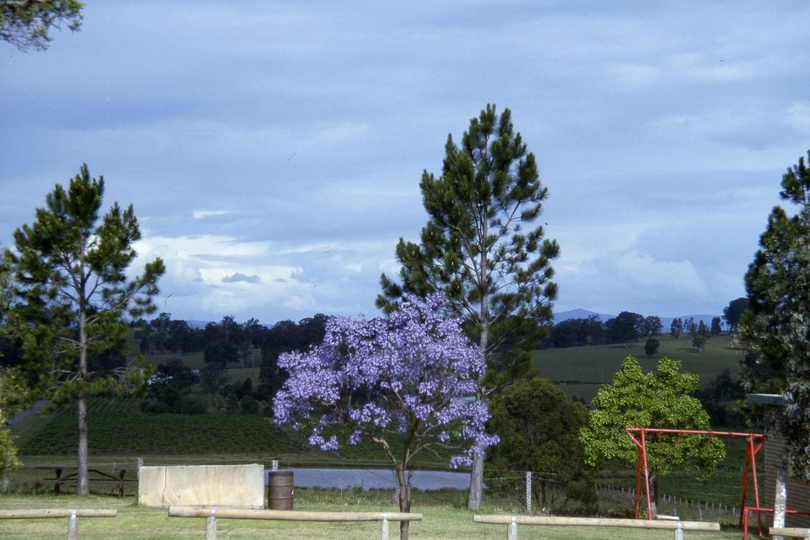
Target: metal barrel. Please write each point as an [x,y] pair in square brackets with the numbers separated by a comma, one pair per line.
[280,490]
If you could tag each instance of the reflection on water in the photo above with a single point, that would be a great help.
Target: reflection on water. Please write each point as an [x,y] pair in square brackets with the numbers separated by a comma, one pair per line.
[375,479]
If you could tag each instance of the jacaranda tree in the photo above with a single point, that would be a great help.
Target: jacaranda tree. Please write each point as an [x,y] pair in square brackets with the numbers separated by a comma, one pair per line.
[70,297]
[404,378]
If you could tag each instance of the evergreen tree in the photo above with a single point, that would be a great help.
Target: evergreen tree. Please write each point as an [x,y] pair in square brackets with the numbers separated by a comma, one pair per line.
[733,312]
[775,326]
[26,23]
[474,248]
[70,296]
[538,426]
[676,328]
[716,330]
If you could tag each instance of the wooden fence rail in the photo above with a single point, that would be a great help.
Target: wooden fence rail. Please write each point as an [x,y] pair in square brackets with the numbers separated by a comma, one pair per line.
[211,514]
[49,513]
[790,532]
[513,521]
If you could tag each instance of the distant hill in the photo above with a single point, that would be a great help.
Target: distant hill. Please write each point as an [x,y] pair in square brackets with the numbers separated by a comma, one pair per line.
[579,314]
[197,324]
[665,321]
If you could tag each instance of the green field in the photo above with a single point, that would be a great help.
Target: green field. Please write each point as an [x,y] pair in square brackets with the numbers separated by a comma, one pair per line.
[443,518]
[581,370]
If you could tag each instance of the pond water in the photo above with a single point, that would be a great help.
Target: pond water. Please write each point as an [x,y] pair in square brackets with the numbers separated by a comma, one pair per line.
[375,479]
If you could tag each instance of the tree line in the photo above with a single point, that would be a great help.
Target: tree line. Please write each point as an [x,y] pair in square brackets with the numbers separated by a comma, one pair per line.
[629,327]
[223,344]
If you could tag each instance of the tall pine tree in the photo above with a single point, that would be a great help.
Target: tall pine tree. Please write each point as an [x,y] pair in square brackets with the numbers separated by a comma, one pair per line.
[776,325]
[474,248]
[69,299]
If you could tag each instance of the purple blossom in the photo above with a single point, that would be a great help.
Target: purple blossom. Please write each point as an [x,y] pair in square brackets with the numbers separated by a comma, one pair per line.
[408,374]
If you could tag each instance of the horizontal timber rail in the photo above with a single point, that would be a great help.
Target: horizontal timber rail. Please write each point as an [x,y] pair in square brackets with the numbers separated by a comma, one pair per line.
[50,513]
[790,532]
[513,521]
[211,514]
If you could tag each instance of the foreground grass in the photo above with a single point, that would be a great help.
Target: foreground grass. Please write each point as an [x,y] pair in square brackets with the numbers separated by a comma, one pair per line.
[443,519]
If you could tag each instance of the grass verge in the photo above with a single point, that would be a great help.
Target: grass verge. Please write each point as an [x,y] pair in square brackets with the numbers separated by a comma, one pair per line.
[443,519]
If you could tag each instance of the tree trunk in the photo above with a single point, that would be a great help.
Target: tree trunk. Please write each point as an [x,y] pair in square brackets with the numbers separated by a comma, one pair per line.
[404,489]
[476,481]
[654,487]
[477,475]
[543,504]
[6,468]
[82,484]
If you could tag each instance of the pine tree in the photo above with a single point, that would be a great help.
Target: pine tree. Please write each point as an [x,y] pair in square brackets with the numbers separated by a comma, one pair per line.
[70,296]
[474,249]
[776,326]
[27,23]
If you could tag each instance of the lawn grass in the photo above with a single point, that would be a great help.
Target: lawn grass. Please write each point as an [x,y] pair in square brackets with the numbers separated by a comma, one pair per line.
[442,519]
[581,371]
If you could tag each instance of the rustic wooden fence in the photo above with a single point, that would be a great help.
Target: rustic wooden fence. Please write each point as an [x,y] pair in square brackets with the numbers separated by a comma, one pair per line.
[790,532]
[211,514]
[73,516]
[513,521]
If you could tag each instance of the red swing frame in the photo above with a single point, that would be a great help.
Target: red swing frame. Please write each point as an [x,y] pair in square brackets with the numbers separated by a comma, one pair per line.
[641,442]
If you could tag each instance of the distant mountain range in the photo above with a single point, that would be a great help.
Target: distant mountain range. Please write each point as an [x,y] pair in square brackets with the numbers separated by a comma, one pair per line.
[197,324]
[665,321]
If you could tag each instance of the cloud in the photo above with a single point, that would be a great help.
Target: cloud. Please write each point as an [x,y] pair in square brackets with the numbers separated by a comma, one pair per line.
[202,214]
[238,276]
[646,272]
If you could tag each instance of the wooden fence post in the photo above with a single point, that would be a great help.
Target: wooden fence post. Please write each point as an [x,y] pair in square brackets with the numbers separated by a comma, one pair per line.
[73,527]
[511,533]
[211,525]
[384,531]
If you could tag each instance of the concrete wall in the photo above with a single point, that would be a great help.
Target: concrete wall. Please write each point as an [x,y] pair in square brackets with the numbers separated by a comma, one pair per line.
[207,485]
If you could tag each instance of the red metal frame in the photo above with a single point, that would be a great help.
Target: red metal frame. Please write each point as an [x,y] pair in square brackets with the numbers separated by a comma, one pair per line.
[757,509]
[750,462]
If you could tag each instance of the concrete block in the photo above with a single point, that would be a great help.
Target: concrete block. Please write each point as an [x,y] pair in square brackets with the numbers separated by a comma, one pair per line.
[206,485]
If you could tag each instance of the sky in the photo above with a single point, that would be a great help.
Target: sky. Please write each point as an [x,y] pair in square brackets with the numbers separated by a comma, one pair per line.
[272,150]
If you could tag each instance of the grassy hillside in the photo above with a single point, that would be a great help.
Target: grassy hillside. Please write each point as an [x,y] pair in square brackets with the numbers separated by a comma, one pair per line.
[581,370]
[116,426]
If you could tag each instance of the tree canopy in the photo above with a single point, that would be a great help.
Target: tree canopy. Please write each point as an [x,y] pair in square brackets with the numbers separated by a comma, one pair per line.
[733,312]
[538,427]
[28,23]
[403,378]
[776,326]
[650,400]
[482,247]
[70,297]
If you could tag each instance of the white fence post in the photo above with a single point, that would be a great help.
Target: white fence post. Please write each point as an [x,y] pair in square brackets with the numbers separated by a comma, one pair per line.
[511,533]
[528,492]
[73,526]
[384,532]
[211,525]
